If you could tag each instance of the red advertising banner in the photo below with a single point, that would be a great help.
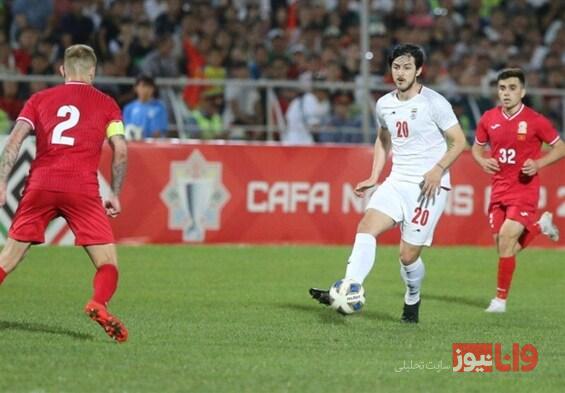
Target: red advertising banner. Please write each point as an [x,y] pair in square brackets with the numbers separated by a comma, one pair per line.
[246,193]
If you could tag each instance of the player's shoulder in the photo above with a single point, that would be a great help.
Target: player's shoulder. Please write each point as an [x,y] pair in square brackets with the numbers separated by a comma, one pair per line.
[387,99]
[531,114]
[433,96]
[492,113]
[46,93]
[103,96]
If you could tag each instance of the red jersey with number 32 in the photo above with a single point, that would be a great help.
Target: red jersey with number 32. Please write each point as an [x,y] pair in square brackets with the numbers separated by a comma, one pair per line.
[70,123]
[514,139]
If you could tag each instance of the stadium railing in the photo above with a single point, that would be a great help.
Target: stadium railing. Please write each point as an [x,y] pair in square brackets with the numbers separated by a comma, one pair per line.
[469,101]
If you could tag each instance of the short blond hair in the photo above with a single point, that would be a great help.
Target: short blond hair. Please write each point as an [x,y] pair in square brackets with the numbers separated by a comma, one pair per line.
[79,59]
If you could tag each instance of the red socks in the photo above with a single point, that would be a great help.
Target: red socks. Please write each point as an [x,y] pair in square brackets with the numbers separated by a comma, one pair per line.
[506,266]
[105,283]
[3,275]
[529,234]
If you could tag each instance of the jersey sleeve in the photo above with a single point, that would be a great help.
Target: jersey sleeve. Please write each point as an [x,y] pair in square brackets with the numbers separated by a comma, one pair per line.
[546,132]
[442,113]
[114,125]
[481,134]
[29,112]
[379,116]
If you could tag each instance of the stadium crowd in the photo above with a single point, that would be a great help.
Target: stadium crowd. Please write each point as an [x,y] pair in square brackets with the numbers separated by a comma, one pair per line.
[467,42]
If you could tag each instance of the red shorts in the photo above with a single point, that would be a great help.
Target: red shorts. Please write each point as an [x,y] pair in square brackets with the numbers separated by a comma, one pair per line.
[84,213]
[498,212]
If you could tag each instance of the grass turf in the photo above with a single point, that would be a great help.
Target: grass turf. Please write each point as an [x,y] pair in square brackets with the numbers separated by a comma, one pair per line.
[239,319]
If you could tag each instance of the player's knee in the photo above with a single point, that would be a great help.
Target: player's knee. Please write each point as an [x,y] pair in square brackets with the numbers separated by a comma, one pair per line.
[409,256]
[506,240]
[507,244]
[103,254]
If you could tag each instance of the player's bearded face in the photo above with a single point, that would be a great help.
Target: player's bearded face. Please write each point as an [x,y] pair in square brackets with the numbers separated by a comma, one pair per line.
[510,92]
[404,72]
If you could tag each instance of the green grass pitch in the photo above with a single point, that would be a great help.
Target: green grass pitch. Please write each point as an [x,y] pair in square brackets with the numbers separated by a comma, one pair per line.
[239,319]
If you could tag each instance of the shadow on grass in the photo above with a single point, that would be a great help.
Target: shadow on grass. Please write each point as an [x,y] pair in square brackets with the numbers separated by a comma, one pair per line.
[326,314]
[381,316]
[473,302]
[41,328]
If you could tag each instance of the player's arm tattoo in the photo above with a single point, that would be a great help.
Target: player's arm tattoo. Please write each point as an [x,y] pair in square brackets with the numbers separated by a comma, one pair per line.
[119,162]
[12,149]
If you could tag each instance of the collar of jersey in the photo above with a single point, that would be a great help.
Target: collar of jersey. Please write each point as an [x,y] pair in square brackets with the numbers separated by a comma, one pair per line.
[514,115]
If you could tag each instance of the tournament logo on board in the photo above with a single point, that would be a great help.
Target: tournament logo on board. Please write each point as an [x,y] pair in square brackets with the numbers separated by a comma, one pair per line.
[195,196]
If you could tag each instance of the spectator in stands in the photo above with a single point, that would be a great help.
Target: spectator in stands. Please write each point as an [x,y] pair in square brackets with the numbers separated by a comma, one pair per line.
[146,117]
[278,44]
[143,43]
[78,27]
[36,12]
[10,101]
[162,61]
[40,65]
[169,21]
[123,41]
[306,115]
[27,44]
[206,121]
[259,62]
[343,125]
[243,104]
[214,68]
[7,60]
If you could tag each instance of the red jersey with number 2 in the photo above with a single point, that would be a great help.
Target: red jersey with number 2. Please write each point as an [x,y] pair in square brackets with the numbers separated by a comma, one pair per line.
[70,123]
[514,139]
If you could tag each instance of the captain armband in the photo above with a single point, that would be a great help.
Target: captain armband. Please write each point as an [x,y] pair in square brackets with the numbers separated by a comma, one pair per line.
[115,128]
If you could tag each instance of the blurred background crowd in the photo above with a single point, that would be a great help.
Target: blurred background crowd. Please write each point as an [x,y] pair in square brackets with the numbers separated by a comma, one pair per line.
[466,41]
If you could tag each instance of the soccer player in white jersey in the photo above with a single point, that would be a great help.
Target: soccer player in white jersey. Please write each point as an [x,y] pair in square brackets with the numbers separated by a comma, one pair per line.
[415,122]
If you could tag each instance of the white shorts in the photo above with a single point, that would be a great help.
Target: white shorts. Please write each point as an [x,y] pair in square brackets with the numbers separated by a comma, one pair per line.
[417,217]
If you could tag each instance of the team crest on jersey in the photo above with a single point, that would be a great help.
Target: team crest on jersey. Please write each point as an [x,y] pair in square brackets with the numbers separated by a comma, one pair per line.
[413,113]
[195,196]
[522,130]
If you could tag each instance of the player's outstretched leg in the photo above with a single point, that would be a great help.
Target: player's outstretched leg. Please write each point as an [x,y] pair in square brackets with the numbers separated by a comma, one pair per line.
[548,228]
[111,325]
[321,295]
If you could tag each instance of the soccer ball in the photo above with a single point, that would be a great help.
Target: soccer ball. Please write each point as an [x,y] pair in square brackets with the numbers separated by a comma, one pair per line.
[347,296]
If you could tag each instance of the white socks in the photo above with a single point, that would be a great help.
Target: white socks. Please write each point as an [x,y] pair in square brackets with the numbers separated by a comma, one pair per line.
[362,257]
[413,275]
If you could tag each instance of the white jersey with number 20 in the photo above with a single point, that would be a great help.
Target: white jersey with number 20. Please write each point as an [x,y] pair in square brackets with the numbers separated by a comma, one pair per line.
[416,128]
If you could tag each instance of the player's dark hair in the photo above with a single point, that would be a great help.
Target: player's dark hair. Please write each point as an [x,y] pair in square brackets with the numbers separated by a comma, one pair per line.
[512,73]
[408,50]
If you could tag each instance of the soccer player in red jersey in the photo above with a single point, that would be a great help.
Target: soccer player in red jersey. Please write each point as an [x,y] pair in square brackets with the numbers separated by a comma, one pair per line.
[515,134]
[70,122]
